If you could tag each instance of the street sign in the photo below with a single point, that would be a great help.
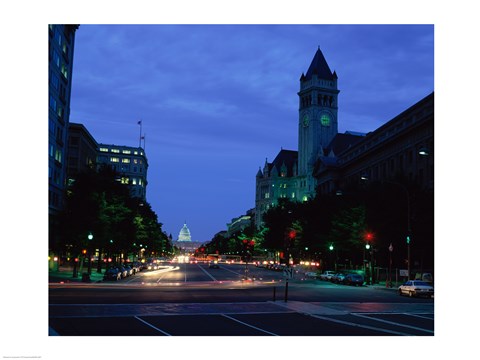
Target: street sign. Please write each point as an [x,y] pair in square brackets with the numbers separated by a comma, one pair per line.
[403,272]
[288,273]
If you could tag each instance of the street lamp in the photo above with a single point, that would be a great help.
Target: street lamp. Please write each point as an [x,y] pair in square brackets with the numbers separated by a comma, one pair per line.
[89,253]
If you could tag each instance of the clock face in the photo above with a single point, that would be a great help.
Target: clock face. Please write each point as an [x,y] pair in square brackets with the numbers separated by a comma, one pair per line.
[305,120]
[325,120]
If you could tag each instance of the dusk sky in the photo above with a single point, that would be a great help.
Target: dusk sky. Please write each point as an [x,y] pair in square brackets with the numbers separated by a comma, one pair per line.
[216,100]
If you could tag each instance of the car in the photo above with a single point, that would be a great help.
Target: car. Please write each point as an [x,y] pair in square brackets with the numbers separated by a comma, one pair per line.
[136,266]
[353,279]
[338,278]
[112,273]
[327,275]
[129,269]
[213,265]
[123,271]
[416,288]
[311,274]
[152,266]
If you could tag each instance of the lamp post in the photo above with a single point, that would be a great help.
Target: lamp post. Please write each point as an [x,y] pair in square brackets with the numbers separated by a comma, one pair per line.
[89,253]
[367,263]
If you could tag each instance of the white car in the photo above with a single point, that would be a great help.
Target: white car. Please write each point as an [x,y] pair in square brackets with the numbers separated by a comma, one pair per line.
[416,288]
[327,275]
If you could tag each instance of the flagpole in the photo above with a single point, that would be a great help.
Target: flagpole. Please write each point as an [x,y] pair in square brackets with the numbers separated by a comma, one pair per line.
[144,135]
[140,138]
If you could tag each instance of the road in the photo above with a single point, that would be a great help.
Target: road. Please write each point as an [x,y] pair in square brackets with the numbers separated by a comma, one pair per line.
[192,299]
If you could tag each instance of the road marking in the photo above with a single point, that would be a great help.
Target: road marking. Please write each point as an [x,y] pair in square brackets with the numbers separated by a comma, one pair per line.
[360,326]
[420,316]
[253,327]
[154,327]
[393,323]
[206,272]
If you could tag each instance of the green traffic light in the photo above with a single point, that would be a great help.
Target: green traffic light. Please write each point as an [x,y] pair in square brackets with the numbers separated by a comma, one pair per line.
[331,247]
[408,239]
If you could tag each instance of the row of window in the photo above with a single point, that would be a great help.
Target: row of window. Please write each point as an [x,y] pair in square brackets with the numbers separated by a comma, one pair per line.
[131,181]
[123,151]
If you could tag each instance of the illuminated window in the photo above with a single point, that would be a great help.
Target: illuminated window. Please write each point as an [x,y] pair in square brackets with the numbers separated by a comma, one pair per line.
[124,180]
[126,161]
[64,70]
[114,159]
[305,198]
[58,156]
[116,151]
[126,152]
[293,195]
[104,149]
[135,152]
[134,181]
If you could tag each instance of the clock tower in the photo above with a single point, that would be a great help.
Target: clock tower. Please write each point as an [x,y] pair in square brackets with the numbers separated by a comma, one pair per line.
[318,124]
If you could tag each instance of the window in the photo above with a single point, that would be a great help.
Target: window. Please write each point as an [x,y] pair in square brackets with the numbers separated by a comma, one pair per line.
[56,58]
[116,151]
[126,161]
[54,80]
[53,103]
[64,70]
[114,159]
[104,149]
[126,152]
[58,155]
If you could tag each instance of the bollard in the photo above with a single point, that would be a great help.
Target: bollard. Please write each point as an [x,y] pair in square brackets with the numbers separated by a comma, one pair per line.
[274,294]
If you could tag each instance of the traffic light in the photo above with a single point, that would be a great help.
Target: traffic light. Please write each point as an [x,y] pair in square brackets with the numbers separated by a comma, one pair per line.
[369,236]
[292,234]
[408,239]
[84,251]
[330,247]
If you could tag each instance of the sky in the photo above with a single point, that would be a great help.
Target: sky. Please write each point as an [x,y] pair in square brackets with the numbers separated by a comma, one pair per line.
[215,101]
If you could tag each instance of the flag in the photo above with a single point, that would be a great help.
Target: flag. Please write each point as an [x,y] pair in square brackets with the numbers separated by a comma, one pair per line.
[139,122]
[143,137]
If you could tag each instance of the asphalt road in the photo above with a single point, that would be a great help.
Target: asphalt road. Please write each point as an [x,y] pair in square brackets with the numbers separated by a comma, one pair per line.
[192,299]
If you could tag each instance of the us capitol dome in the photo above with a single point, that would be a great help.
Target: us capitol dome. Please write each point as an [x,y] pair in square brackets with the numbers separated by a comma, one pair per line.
[184,234]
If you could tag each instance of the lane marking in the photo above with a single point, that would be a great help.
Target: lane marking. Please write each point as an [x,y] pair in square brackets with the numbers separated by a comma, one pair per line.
[419,316]
[206,272]
[253,327]
[154,327]
[393,323]
[360,326]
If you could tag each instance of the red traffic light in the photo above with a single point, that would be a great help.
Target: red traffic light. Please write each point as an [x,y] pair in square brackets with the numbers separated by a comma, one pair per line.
[292,234]
[369,236]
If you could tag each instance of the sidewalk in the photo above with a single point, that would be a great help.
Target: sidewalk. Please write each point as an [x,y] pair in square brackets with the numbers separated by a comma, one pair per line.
[65,275]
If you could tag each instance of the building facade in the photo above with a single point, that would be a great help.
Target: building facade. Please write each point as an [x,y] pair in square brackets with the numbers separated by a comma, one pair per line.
[61,43]
[291,174]
[327,162]
[402,147]
[82,150]
[130,163]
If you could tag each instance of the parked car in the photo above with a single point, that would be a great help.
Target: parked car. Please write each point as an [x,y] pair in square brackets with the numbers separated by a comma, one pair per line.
[112,274]
[353,279]
[129,269]
[327,275]
[338,278]
[311,274]
[416,288]
[213,265]
[136,266]
[123,271]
